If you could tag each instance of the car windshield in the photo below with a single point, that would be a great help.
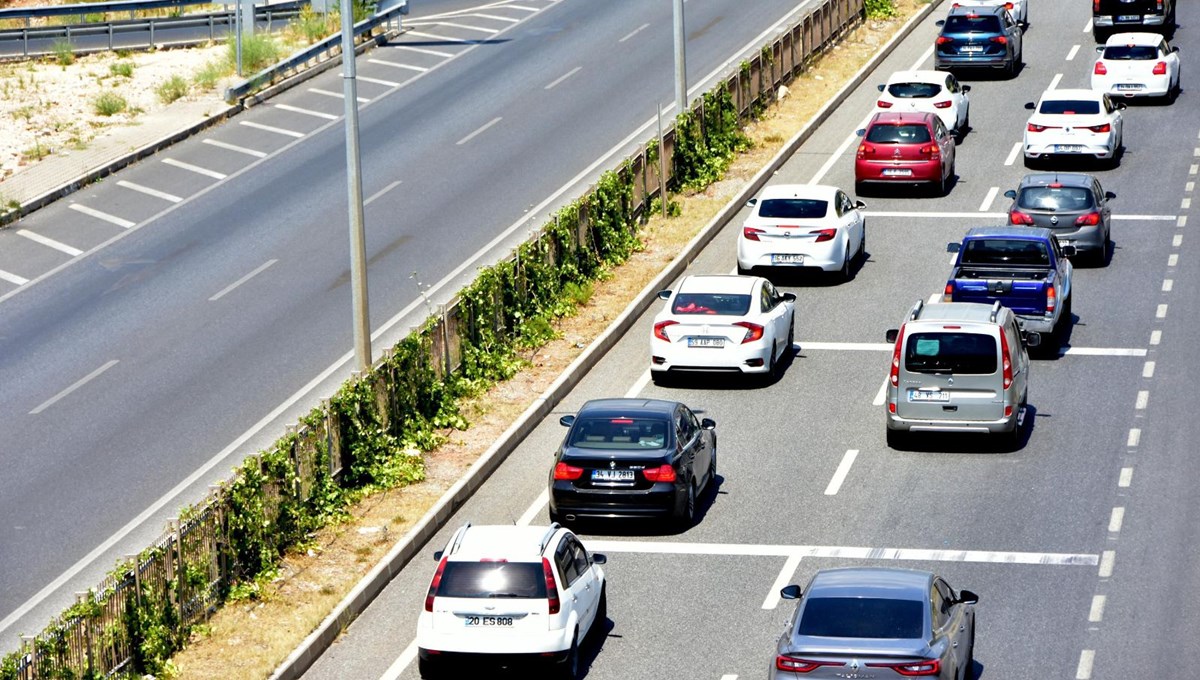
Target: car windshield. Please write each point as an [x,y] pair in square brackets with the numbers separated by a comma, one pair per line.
[793,208]
[523,580]
[1055,199]
[862,617]
[960,353]
[981,251]
[1079,107]
[1131,52]
[972,23]
[711,303]
[898,134]
[619,433]
[914,90]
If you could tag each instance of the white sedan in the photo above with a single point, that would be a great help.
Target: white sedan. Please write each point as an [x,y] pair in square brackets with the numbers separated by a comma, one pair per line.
[802,226]
[935,92]
[1019,9]
[1137,65]
[739,324]
[1074,123]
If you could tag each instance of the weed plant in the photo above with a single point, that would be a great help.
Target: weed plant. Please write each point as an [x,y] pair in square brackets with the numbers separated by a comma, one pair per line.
[171,89]
[109,103]
[123,69]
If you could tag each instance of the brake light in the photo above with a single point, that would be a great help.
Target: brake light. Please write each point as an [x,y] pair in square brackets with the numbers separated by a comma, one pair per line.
[551,587]
[753,331]
[895,375]
[1006,359]
[865,150]
[912,668]
[998,39]
[1100,69]
[1096,5]
[931,150]
[751,234]
[660,329]
[948,293]
[662,473]
[1089,220]
[824,235]
[942,105]
[1051,299]
[942,40]
[1018,217]
[1101,128]
[883,104]
[568,473]
[1160,69]
[1034,127]
[794,664]
[1008,6]
[433,585]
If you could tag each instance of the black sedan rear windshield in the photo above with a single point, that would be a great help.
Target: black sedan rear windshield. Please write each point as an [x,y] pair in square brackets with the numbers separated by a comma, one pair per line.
[967,23]
[711,303]
[948,352]
[914,90]
[493,580]
[1079,107]
[981,251]
[1056,199]
[898,134]
[862,617]
[793,208]
[619,433]
[1131,52]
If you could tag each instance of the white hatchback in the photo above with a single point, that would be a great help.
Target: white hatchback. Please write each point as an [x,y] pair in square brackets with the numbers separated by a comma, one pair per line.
[802,226]
[1019,9]
[935,92]
[722,323]
[511,596]
[1137,65]
[1074,123]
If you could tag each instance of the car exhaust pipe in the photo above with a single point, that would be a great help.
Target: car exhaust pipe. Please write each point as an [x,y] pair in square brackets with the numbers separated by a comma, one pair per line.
[569,518]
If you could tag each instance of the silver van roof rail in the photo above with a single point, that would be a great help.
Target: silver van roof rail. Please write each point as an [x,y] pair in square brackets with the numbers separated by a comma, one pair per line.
[916,310]
[995,311]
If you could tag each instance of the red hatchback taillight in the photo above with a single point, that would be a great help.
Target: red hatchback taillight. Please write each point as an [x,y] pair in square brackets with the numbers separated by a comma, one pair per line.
[883,104]
[824,235]
[865,150]
[551,587]
[998,39]
[943,105]
[751,234]
[433,585]
[942,40]
[1100,69]
[1088,220]
[793,664]
[1160,69]
[1018,217]
[568,473]
[660,329]
[1101,128]
[1006,360]
[662,473]
[895,375]
[753,331]
[912,669]
[931,151]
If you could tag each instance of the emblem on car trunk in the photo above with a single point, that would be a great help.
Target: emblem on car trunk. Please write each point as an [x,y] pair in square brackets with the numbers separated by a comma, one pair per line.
[1054,219]
[612,465]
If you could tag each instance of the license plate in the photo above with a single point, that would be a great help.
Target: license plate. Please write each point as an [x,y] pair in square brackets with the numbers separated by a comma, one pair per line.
[706,342]
[1130,86]
[897,172]
[928,395]
[612,475]
[488,621]
[971,48]
[1068,148]
[1129,17]
[786,258]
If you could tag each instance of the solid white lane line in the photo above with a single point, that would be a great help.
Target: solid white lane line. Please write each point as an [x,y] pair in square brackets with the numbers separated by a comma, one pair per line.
[485,126]
[1177,240]
[421,50]
[1055,81]
[1103,352]
[1172,259]
[829,162]
[393,64]
[563,77]
[784,577]
[401,663]
[1168,284]
[1161,312]
[194,168]
[1155,337]
[13,278]
[271,128]
[258,270]
[441,38]
[1126,477]
[844,552]
[1074,51]
[987,200]
[839,475]
[336,95]
[79,383]
[881,394]
[933,215]
[1148,370]
[1086,659]
[729,676]
[532,511]
[1134,438]
[916,65]
[494,17]
[1147,218]
[1107,560]
[49,242]
[468,27]
[1012,155]
[1143,400]
[381,192]
[92,212]
[852,346]
[234,147]
[378,81]
[306,112]
[639,385]
[1117,519]
[148,191]
[887,346]
[634,32]
[523,8]
[1096,615]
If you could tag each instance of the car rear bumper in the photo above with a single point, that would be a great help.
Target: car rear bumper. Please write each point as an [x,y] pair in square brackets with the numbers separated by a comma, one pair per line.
[1150,86]
[873,171]
[751,357]
[1040,148]
[660,500]
[470,661]
[511,646]
[1109,21]
[826,256]
[1085,239]
[896,422]
[946,62]
[1036,324]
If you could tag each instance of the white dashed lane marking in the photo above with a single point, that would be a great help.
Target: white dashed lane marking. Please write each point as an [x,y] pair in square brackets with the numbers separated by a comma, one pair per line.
[1173,260]
[1143,400]
[100,215]
[1134,438]
[1116,520]
[1177,240]
[1107,561]
[1096,614]
[1055,81]
[563,77]
[79,383]
[393,64]
[1161,312]
[839,475]
[1126,477]
[987,200]
[1148,369]
[1155,337]
[148,191]
[49,242]
[441,38]
[378,81]
[1086,659]
[13,278]
[634,32]
[422,50]
[235,148]
[468,27]
[1012,155]
[1074,51]
[1168,284]
[258,270]
[306,112]
[336,95]
[271,128]
[479,131]
[785,576]
[194,168]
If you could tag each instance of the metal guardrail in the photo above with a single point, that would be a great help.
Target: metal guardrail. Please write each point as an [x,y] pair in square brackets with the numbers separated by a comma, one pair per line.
[97,8]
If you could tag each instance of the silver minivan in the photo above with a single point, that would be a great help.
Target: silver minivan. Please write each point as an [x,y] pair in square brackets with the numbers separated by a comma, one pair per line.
[958,367]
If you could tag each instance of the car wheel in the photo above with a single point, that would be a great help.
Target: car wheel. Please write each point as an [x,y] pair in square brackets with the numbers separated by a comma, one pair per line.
[712,469]
[860,188]
[862,245]
[686,513]
[660,378]
[897,439]
[1011,440]
[791,346]
[844,272]
[569,669]
[1030,163]
[742,271]
[426,669]
[1099,35]
[772,367]
[969,673]
[597,628]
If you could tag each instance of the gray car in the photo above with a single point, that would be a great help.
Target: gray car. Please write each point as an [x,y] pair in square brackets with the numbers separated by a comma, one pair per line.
[1072,205]
[877,622]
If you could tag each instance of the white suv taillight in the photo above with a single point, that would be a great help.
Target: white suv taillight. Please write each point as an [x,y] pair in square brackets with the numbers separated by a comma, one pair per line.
[551,587]
[433,585]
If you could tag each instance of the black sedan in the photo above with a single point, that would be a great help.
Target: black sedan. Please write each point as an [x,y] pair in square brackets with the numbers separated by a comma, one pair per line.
[632,458]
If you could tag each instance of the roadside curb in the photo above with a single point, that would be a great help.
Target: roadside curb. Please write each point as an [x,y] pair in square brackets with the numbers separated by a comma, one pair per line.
[357,600]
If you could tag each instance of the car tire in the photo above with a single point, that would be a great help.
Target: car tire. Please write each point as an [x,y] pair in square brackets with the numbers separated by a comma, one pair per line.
[1011,441]
[712,470]
[862,246]
[685,514]
[569,668]
[1101,259]
[860,188]
[601,618]
[844,272]
[898,439]
[1100,35]
[426,669]
[791,346]
[742,271]
[969,673]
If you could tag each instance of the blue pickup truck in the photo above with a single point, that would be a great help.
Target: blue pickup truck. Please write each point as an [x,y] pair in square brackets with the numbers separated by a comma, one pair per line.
[1023,269]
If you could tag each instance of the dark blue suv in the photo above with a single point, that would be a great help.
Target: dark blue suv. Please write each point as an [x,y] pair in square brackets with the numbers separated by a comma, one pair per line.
[978,37]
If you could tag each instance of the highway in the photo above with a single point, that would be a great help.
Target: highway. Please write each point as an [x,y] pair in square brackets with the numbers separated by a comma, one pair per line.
[158,326]
[1082,545]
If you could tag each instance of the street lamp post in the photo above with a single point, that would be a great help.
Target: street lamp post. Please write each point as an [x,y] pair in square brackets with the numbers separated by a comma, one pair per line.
[681,97]
[358,246]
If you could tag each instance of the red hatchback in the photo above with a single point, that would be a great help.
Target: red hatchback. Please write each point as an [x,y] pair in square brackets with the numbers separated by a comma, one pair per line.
[911,147]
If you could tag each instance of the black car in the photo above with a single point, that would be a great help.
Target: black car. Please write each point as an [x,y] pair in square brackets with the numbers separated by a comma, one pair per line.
[979,37]
[1122,16]
[1072,205]
[632,458]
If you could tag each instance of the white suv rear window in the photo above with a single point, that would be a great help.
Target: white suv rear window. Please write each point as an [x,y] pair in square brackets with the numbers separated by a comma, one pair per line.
[493,580]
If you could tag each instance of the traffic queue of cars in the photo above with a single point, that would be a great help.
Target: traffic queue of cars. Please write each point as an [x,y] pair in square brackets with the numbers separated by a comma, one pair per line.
[511,595]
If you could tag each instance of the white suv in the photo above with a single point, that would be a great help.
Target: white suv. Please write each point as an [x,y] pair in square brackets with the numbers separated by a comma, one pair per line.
[511,595]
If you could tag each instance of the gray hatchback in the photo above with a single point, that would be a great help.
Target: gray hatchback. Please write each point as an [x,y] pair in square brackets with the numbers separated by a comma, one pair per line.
[1072,205]
[877,622]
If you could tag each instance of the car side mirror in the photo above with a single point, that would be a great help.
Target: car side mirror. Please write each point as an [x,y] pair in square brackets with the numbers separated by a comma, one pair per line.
[966,88]
[1029,106]
[860,132]
[892,334]
[967,597]
[1174,49]
[708,424]
[566,421]
[1099,49]
[789,297]
[1068,251]
[1010,194]
[879,87]
[751,203]
[601,558]
[1108,195]
[940,22]
[1032,338]
[953,247]
[437,556]
[664,295]
[1121,106]
[859,205]
[790,592]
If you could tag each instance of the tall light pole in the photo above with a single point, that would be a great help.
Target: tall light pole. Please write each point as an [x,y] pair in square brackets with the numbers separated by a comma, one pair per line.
[681,89]
[358,239]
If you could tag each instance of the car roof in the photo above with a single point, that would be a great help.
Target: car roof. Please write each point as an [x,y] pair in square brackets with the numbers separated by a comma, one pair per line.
[932,77]
[976,9]
[1071,93]
[1140,38]
[501,541]
[898,117]
[1017,233]
[878,582]
[621,406]
[822,192]
[1069,179]
[972,312]
[718,283]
